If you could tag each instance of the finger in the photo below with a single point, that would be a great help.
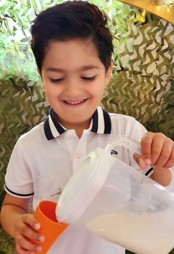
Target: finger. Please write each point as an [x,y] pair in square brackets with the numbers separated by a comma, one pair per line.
[30,220]
[24,246]
[146,143]
[163,155]
[20,251]
[170,161]
[158,146]
[139,160]
[33,235]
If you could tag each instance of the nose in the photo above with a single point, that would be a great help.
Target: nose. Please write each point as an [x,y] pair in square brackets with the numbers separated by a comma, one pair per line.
[73,87]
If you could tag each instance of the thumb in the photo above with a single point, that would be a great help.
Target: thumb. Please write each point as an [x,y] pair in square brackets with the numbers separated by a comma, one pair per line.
[140,161]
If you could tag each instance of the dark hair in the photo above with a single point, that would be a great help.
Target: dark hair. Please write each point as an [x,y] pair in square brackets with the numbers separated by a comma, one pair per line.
[71,20]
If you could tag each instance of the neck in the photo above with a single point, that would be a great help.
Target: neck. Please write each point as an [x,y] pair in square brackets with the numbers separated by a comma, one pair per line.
[78,127]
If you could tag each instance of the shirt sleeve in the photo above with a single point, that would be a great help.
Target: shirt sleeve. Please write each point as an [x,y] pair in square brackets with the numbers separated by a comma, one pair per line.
[18,178]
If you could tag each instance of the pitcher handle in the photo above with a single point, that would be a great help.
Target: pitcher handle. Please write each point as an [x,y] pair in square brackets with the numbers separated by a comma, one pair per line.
[126,142]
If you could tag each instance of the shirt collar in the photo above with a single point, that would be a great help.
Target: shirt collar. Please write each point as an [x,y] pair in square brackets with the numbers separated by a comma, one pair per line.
[100,123]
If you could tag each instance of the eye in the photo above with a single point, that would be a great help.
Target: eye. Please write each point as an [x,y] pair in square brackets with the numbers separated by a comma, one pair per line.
[89,78]
[58,80]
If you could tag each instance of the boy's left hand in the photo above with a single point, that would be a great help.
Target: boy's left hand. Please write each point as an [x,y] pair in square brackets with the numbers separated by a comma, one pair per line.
[157,151]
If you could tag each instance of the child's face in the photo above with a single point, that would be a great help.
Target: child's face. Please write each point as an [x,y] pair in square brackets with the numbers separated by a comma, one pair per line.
[74,79]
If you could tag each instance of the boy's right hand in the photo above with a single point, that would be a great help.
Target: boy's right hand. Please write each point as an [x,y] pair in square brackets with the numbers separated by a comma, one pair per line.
[27,237]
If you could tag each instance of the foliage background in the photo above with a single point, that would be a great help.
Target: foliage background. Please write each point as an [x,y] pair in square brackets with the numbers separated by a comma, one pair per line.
[143,75]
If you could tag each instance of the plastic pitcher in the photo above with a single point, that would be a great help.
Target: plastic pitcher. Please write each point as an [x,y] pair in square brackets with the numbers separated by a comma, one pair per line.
[118,203]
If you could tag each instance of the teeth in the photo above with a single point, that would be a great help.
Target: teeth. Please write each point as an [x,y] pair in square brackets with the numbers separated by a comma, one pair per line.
[74,102]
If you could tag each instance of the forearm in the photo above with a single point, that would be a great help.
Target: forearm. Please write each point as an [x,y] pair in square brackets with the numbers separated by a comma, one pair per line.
[162,176]
[10,214]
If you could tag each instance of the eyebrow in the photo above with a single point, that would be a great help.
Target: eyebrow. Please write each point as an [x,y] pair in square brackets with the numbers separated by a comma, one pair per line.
[83,68]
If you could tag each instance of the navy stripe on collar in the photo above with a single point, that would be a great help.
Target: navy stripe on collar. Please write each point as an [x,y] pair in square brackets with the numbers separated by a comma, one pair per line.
[94,127]
[47,129]
[58,126]
[107,121]
[52,127]
[101,123]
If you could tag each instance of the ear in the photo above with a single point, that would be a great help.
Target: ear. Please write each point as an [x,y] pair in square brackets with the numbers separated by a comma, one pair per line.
[108,74]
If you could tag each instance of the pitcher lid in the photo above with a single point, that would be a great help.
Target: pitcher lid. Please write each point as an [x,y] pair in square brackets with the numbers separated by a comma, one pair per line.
[84,186]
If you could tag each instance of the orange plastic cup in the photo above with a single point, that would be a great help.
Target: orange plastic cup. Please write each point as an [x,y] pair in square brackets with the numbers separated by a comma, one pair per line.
[50,227]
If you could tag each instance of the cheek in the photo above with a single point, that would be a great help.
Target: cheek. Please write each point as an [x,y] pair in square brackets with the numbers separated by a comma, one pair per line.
[98,92]
[51,89]
[51,95]
[52,98]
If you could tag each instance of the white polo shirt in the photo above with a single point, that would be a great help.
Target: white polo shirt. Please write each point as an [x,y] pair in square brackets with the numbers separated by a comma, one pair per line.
[45,158]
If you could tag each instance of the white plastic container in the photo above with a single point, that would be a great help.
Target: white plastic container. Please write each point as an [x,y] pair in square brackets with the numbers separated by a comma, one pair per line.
[119,203]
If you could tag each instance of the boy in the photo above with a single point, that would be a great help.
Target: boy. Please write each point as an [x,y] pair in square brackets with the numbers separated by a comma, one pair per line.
[72,47]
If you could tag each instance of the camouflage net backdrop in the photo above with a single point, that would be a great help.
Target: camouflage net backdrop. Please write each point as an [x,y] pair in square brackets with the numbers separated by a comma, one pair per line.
[22,105]
[142,84]
[143,80]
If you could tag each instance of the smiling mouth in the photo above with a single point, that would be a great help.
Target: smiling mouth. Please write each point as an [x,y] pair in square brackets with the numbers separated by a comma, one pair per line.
[75,102]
